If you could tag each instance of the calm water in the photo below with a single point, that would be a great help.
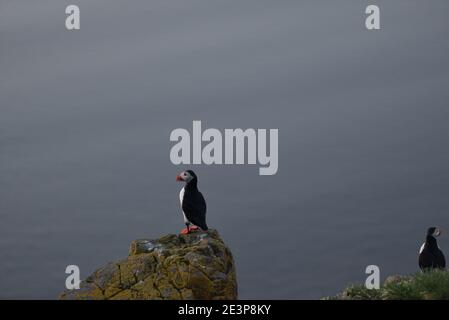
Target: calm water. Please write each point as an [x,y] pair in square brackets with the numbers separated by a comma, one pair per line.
[86,117]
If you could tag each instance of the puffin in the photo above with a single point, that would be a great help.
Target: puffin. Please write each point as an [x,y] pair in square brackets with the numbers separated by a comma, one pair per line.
[193,205]
[430,255]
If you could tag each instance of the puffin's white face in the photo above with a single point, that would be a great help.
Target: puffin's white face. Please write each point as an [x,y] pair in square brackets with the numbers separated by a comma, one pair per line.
[184,176]
[437,232]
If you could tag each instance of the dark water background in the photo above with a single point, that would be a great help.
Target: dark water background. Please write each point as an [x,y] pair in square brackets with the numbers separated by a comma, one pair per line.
[85,118]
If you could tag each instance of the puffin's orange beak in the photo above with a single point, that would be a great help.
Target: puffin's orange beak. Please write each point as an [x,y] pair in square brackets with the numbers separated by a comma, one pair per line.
[178,178]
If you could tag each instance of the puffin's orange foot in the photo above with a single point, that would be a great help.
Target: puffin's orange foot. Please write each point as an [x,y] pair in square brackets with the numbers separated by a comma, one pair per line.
[194,228]
[185,231]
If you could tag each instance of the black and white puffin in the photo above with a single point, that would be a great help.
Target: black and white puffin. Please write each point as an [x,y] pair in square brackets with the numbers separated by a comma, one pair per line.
[430,255]
[192,202]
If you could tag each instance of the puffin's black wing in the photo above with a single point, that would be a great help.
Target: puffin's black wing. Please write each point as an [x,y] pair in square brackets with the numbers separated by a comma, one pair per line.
[194,207]
[432,259]
[440,261]
[425,260]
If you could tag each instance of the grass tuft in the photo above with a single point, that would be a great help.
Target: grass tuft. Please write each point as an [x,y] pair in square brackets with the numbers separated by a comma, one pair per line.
[429,285]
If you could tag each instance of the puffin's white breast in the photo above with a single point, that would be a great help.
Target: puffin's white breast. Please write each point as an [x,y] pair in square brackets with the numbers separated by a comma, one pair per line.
[422,248]
[181,197]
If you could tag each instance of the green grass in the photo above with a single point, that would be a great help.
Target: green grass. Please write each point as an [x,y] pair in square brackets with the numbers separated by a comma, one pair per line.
[430,285]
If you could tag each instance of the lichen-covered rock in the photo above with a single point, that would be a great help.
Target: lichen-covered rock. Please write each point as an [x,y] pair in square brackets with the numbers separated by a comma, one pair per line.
[194,266]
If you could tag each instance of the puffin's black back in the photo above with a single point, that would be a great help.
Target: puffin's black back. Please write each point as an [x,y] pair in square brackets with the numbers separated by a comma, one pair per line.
[194,205]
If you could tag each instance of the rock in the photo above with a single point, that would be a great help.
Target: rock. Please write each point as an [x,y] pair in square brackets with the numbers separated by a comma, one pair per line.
[194,266]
